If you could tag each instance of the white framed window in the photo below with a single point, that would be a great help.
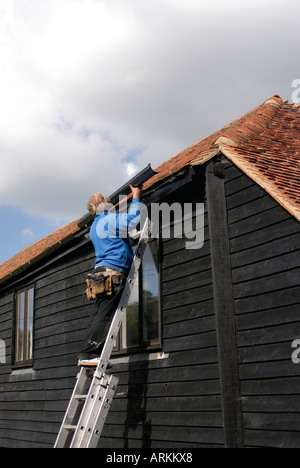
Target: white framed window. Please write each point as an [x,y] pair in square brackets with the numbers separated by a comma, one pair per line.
[24,325]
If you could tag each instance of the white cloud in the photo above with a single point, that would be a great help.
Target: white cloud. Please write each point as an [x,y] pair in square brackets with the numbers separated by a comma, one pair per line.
[27,235]
[85,84]
[131,169]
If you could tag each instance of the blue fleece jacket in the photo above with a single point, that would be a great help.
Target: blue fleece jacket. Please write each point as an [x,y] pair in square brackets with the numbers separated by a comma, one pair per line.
[109,234]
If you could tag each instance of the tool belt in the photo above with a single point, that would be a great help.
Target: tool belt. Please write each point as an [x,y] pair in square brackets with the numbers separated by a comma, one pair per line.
[100,284]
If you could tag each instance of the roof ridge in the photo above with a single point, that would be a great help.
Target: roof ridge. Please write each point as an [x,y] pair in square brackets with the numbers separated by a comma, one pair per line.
[275,168]
[250,125]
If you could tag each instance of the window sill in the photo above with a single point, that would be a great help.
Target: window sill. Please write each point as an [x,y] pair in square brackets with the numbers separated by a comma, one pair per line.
[22,374]
[139,357]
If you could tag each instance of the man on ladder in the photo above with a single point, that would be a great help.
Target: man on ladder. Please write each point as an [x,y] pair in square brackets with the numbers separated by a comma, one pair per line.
[114,257]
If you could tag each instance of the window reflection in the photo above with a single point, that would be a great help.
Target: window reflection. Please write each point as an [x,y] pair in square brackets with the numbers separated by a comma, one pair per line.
[150,293]
[24,327]
[20,329]
[29,344]
[132,338]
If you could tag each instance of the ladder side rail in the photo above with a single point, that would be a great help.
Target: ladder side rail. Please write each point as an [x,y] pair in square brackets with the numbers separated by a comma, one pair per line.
[119,314]
[64,433]
[93,395]
[100,412]
[94,399]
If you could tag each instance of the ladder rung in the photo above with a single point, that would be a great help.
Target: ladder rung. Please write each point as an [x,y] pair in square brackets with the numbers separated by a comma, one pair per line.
[80,397]
[70,427]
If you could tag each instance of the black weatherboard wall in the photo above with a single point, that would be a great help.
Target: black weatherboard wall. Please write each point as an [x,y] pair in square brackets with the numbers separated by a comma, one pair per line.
[265,259]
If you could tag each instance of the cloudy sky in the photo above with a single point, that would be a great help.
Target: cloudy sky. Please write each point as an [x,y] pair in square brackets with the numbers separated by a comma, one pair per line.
[93,90]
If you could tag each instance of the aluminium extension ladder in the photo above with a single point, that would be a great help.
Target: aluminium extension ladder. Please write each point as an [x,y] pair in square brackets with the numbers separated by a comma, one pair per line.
[89,404]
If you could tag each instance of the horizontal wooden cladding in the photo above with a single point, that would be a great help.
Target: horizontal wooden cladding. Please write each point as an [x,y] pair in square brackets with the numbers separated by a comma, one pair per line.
[269,388]
[72,286]
[265,255]
[268,370]
[187,279]
[170,389]
[268,353]
[190,435]
[269,266]
[191,405]
[5,302]
[275,316]
[271,438]
[266,250]
[270,334]
[108,442]
[288,404]
[163,374]
[257,221]
[186,328]
[268,284]
[280,230]
[188,309]
[6,308]
[26,440]
[173,401]
[262,203]
[174,418]
[194,295]
[254,217]
[32,405]
[174,271]
[188,283]
[273,299]
[61,311]
[185,256]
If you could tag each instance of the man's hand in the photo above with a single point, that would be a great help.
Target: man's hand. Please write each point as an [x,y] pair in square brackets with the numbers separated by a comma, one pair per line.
[136,191]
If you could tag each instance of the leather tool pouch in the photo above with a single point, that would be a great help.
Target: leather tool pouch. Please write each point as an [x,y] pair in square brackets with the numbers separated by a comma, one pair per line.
[98,285]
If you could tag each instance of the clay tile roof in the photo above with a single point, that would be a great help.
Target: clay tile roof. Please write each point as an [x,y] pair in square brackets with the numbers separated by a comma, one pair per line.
[272,159]
[264,143]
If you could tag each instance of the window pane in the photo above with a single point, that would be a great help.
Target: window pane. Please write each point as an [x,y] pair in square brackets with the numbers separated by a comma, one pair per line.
[132,318]
[30,308]
[20,327]
[141,322]
[150,292]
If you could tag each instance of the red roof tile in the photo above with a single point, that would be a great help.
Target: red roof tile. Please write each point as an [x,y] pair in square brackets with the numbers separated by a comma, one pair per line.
[264,143]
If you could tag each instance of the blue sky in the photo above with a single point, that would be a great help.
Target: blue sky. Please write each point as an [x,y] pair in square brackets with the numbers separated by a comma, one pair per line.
[20,230]
[93,90]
